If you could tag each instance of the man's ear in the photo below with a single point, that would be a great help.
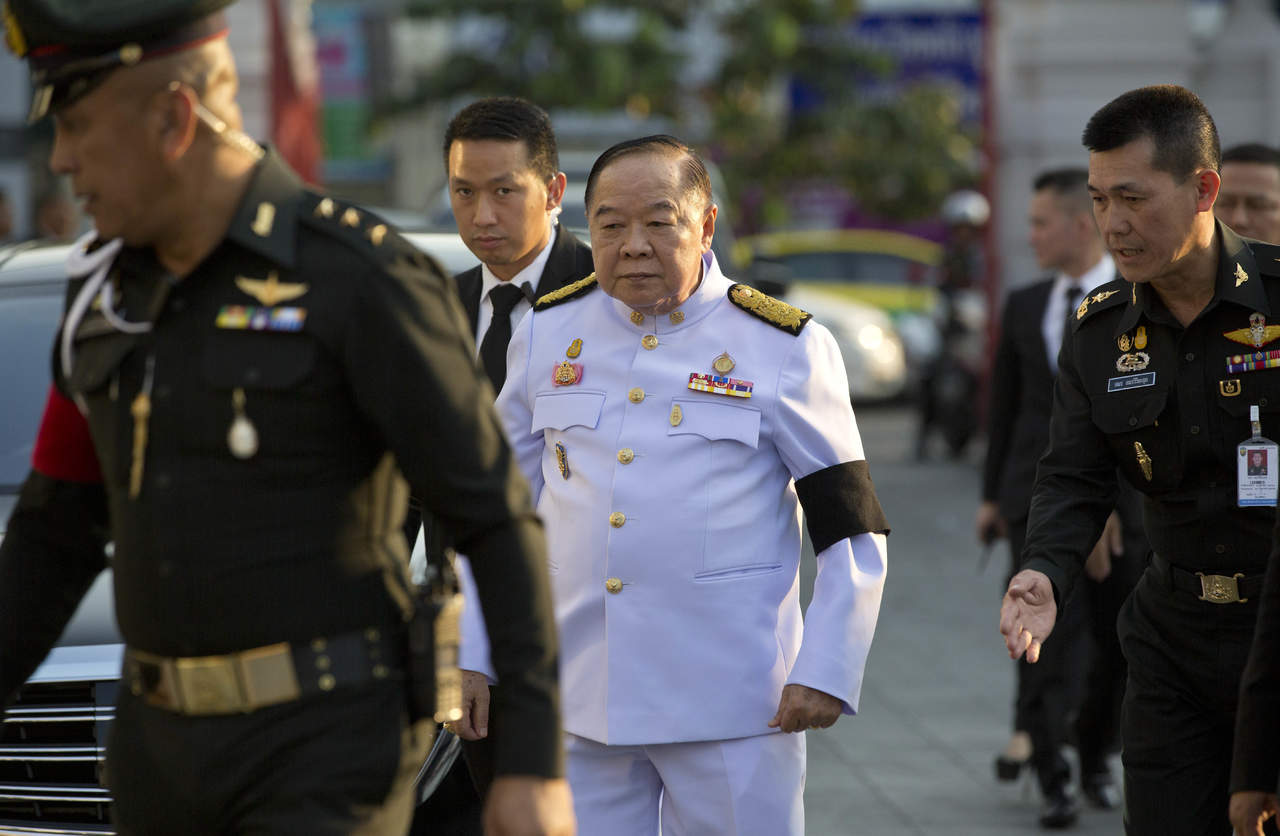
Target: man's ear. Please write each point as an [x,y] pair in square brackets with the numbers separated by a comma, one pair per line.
[1208,182]
[709,226]
[178,121]
[555,190]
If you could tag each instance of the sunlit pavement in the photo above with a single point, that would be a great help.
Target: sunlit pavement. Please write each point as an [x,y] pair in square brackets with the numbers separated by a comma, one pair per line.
[936,702]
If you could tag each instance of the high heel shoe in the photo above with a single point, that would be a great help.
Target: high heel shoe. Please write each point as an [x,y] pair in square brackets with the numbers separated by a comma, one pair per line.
[1008,769]
[1016,755]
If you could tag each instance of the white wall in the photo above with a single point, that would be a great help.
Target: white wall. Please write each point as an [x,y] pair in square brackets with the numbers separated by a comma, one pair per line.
[1058,61]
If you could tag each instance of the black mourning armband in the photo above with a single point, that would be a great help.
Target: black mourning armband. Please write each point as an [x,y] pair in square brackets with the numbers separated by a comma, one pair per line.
[839,502]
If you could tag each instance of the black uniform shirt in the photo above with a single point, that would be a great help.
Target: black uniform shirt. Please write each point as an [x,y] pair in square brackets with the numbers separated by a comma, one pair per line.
[1138,391]
[347,350]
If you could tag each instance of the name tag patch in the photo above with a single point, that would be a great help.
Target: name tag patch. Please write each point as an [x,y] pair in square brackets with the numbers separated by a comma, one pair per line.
[1131,381]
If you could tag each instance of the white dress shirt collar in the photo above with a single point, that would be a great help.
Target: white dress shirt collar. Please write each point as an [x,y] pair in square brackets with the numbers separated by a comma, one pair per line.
[528,276]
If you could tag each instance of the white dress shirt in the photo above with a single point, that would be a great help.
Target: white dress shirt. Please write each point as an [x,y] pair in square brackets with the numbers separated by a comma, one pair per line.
[528,277]
[1055,313]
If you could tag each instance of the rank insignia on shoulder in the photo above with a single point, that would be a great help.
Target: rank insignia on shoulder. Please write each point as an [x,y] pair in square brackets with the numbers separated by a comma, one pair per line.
[773,311]
[566,373]
[716,385]
[1134,362]
[564,294]
[1258,334]
[1101,296]
[250,318]
[271,291]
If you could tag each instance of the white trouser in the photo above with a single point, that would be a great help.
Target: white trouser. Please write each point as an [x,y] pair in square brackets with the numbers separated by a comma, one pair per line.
[749,786]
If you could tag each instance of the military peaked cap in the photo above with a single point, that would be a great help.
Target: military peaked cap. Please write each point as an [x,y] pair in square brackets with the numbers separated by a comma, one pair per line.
[71,45]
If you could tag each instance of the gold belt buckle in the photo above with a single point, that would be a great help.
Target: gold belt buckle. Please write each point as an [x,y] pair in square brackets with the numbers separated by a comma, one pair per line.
[1220,589]
[267,675]
[208,685]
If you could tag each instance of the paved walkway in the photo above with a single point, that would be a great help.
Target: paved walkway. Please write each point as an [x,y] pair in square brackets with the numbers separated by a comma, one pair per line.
[936,703]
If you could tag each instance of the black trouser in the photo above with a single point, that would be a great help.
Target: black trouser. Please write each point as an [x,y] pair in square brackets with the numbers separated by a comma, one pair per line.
[1071,674]
[342,763]
[455,808]
[1049,690]
[1098,723]
[1185,661]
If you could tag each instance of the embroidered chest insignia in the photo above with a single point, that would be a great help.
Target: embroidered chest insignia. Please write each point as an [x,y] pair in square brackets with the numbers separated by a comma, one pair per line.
[1258,334]
[1134,362]
[271,291]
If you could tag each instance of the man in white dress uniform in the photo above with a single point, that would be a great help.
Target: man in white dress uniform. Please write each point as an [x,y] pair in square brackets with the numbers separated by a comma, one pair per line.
[674,425]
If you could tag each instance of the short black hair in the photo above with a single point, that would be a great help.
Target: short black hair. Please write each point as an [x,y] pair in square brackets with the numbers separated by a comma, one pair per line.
[509,119]
[1064,181]
[693,175]
[1069,184]
[1252,152]
[1178,123]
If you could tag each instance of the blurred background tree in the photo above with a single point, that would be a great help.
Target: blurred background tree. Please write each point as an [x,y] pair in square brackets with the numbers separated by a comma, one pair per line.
[778,108]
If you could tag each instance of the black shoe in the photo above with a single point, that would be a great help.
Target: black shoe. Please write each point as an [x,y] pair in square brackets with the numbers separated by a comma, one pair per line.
[1100,790]
[1008,769]
[1060,810]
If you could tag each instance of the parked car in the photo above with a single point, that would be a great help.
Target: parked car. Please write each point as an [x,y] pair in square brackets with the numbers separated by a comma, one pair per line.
[874,359]
[53,738]
[893,271]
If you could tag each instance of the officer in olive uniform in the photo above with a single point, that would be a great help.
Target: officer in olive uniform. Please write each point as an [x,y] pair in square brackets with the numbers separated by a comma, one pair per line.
[244,371]
[1158,376]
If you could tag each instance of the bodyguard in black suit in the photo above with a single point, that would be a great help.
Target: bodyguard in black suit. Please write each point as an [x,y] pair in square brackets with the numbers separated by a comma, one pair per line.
[505,187]
[1065,240]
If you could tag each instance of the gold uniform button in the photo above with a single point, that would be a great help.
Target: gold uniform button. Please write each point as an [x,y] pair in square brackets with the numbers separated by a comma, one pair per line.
[649,341]
[636,395]
[626,455]
[614,586]
[617,519]
[637,318]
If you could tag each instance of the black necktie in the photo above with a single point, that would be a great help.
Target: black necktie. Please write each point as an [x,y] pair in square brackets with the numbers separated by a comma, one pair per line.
[493,348]
[1073,294]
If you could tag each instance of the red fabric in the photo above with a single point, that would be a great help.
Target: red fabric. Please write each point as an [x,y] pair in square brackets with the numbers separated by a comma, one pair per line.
[295,90]
[64,449]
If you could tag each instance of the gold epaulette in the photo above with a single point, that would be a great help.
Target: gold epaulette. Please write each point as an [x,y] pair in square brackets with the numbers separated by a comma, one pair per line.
[564,294]
[357,227]
[777,313]
[1267,257]
[1108,296]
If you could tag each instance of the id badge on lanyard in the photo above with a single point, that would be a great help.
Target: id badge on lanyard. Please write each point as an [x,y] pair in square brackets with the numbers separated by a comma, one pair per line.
[1257,467]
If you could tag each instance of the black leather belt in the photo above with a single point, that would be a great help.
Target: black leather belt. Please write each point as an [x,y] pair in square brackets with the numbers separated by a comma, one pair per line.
[1216,589]
[236,683]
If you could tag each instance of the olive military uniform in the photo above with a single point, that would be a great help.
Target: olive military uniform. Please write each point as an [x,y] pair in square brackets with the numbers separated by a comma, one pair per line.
[1140,392]
[255,504]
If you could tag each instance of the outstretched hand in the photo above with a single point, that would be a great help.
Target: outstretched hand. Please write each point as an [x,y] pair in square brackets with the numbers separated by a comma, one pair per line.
[1028,614]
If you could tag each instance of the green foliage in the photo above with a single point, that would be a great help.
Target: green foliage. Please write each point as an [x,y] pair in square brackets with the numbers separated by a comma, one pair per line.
[898,158]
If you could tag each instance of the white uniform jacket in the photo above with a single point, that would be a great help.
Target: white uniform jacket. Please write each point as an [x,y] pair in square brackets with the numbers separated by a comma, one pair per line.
[672,515]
